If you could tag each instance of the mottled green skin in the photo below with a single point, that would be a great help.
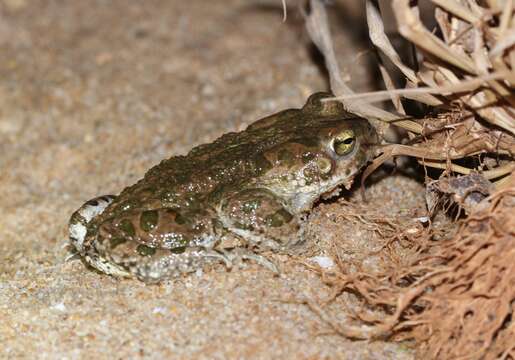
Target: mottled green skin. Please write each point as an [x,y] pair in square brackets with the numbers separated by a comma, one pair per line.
[246,190]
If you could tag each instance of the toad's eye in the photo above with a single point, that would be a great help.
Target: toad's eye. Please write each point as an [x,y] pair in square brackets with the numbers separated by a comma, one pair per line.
[344,142]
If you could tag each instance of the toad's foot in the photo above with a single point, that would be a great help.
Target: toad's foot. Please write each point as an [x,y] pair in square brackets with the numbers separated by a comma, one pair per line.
[163,265]
[237,255]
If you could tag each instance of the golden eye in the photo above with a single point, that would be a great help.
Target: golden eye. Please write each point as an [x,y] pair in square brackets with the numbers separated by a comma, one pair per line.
[344,142]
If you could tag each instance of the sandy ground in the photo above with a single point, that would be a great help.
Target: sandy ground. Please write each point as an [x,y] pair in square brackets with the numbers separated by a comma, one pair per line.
[92,94]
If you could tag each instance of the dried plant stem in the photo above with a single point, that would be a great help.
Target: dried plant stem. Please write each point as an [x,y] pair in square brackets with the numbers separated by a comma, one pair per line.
[487,174]
[458,87]
[460,70]
[411,28]
[318,29]
[457,9]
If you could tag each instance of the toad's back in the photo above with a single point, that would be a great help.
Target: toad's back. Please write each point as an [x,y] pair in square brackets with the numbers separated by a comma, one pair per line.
[232,162]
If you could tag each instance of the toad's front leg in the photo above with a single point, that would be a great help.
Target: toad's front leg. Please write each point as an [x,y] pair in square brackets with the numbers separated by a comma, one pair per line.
[259,217]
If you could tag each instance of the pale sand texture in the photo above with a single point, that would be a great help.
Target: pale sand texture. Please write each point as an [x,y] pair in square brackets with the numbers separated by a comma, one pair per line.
[92,94]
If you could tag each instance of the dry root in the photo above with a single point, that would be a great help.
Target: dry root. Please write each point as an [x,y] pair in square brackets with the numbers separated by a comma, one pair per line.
[469,310]
[456,297]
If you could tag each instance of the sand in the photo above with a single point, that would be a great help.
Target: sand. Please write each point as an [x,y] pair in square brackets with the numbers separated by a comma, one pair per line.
[94,93]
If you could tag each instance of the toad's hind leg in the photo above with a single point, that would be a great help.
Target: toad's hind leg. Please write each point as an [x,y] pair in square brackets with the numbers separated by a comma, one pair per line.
[116,249]
[157,244]
[154,261]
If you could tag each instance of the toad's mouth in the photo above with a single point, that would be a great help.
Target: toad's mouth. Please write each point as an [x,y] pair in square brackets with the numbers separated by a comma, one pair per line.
[302,200]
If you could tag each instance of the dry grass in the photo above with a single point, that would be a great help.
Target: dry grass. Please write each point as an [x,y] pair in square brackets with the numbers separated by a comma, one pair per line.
[467,78]
[455,297]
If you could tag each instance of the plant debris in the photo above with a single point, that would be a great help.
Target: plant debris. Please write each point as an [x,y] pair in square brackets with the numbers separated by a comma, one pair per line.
[466,191]
[455,296]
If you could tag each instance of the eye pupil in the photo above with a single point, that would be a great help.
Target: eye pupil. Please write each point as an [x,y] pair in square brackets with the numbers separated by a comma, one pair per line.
[344,143]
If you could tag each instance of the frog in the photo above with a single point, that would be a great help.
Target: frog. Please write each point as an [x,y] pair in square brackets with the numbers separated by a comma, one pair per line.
[245,194]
